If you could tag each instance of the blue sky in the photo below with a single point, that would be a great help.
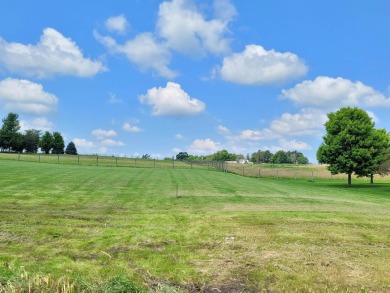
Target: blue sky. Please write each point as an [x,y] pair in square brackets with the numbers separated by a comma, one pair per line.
[130,77]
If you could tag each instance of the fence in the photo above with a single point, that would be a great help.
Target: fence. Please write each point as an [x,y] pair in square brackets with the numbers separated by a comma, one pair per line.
[310,172]
[108,161]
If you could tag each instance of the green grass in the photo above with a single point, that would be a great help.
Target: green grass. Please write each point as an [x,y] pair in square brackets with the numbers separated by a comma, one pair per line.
[168,229]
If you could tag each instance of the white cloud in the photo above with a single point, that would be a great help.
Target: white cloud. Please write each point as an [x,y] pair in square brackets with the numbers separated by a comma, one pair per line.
[117,24]
[305,123]
[102,134]
[24,96]
[176,150]
[332,93]
[179,136]
[113,99]
[40,123]
[112,143]
[131,128]
[255,65]
[144,51]
[171,101]
[187,31]
[293,145]
[81,142]
[222,129]
[255,135]
[204,146]
[53,55]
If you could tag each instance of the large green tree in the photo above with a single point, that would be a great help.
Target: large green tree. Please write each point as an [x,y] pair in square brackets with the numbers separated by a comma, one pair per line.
[46,142]
[352,145]
[9,138]
[58,143]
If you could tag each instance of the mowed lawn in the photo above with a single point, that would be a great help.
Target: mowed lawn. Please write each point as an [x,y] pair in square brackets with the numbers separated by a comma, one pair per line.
[191,230]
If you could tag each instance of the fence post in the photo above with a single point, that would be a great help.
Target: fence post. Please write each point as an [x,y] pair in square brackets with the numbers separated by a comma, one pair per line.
[277,174]
[39,158]
[58,158]
[78,160]
[97,160]
[243,171]
[312,175]
[154,163]
[173,163]
[259,173]
[18,156]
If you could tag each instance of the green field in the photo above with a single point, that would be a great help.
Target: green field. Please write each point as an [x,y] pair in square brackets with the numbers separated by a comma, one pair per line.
[69,228]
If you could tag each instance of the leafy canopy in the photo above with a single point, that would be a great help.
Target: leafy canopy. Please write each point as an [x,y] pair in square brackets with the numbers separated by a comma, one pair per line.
[352,144]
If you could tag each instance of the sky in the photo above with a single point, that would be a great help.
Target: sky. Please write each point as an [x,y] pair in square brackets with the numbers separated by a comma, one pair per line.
[134,77]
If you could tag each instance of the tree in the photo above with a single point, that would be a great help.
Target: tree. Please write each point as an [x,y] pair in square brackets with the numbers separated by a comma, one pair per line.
[224,155]
[71,149]
[352,144]
[384,168]
[145,157]
[46,142]
[31,140]
[9,138]
[58,143]
[182,156]
[281,157]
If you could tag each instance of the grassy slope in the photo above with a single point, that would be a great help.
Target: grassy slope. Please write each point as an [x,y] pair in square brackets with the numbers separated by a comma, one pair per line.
[222,230]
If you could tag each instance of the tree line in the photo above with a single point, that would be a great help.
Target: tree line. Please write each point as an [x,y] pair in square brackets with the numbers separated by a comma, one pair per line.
[31,140]
[280,157]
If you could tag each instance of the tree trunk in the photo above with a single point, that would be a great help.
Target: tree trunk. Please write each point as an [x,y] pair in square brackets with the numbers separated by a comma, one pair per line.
[372,178]
[349,180]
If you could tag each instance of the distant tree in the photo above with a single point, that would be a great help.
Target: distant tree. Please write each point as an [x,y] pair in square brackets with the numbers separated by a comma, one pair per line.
[224,155]
[145,156]
[46,142]
[18,143]
[31,140]
[9,138]
[182,156]
[280,157]
[384,168]
[352,144]
[71,149]
[297,158]
[58,143]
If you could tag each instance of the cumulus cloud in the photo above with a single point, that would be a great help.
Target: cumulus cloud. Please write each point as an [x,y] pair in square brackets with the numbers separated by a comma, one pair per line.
[40,123]
[131,128]
[24,96]
[171,101]
[256,135]
[222,129]
[112,143]
[187,31]
[53,55]
[290,145]
[257,66]
[82,142]
[332,93]
[113,99]
[305,123]
[144,51]
[103,134]
[204,146]
[117,24]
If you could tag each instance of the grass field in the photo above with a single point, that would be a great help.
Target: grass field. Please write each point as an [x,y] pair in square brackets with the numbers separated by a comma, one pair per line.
[71,228]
